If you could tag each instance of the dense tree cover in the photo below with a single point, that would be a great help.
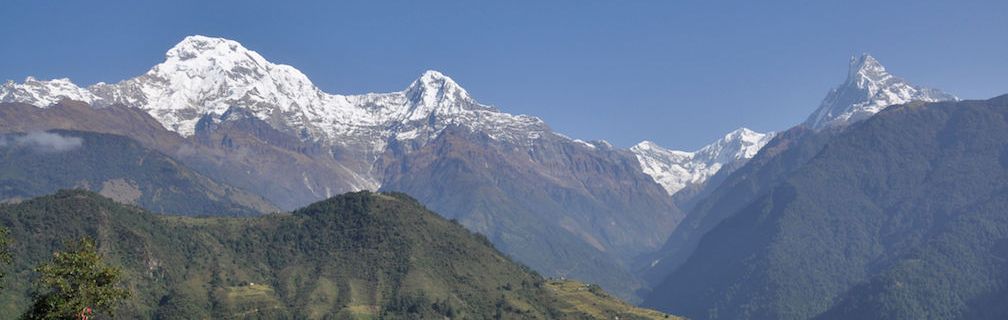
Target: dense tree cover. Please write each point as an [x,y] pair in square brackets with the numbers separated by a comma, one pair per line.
[121,168]
[359,255]
[76,283]
[5,257]
[902,216]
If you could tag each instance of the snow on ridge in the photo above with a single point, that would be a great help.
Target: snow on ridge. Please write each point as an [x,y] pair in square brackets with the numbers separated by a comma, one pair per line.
[203,76]
[206,76]
[868,89]
[44,92]
[674,170]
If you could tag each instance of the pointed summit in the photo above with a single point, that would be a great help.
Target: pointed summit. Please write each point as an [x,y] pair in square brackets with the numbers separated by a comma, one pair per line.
[869,88]
[434,87]
[866,68]
[865,63]
[434,77]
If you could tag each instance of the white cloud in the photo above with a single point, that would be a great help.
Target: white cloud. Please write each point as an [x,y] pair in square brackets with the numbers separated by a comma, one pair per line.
[43,142]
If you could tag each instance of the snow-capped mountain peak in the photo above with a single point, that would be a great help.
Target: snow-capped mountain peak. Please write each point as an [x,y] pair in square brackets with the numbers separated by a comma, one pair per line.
[433,86]
[201,57]
[204,75]
[740,144]
[434,93]
[675,170]
[868,89]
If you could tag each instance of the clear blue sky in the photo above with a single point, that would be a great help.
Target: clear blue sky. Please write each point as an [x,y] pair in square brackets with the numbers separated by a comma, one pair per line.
[680,73]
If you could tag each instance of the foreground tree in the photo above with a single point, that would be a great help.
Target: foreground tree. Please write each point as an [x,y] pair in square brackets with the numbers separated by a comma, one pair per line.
[75,285]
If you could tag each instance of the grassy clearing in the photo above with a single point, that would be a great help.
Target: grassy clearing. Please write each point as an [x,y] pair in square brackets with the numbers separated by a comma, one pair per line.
[591,301]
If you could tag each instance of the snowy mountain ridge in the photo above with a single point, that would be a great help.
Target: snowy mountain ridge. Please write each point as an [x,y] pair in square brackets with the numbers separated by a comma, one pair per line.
[868,89]
[206,76]
[43,92]
[675,170]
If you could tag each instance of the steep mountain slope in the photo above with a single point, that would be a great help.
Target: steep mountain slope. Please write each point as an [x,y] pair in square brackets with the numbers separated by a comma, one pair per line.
[264,127]
[74,115]
[240,151]
[898,217]
[683,174]
[788,151]
[247,152]
[569,210]
[869,88]
[40,163]
[360,255]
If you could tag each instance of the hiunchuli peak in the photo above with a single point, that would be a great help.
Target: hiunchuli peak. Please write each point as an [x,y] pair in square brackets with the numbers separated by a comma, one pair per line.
[434,89]
[435,82]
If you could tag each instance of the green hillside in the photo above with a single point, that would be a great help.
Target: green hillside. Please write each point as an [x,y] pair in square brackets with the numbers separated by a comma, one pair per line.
[901,216]
[358,255]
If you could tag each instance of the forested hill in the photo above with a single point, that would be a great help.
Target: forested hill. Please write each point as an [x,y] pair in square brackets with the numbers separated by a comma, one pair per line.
[901,216]
[358,255]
